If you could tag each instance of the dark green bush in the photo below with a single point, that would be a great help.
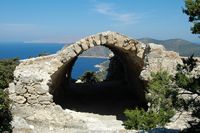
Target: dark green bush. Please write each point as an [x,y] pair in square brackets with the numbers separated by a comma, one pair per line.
[89,77]
[159,96]
[140,119]
[5,114]
[189,84]
[6,76]
[145,120]
[6,71]
[182,80]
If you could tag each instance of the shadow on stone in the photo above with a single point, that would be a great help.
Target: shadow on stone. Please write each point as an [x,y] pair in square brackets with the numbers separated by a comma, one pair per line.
[104,98]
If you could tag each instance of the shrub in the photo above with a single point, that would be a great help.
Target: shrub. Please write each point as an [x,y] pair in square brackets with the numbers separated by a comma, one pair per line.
[6,76]
[140,119]
[89,77]
[5,114]
[182,80]
[159,96]
[6,71]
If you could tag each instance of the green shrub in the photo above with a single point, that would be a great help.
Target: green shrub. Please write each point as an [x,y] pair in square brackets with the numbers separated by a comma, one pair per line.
[5,114]
[182,80]
[140,119]
[6,76]
[190,84]
[6,71]
[159,97]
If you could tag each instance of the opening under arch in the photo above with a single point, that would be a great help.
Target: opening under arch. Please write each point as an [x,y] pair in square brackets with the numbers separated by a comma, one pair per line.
[128,85]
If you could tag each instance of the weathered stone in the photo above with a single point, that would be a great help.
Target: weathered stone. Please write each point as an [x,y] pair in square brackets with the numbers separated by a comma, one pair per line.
[26,95]
[20,89]
[11,88]
[46,99]
[39,89]
[32,99]
[91,41]
[103,39]
[30,89]
[97,40]
[128,47]
[21,126]
[77,48]
[71,54]
[110,40]
[37,78]
[120,41]
[18,99]
[84,44]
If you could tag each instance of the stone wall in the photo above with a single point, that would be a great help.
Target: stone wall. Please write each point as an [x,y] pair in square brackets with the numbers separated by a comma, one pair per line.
[37,81]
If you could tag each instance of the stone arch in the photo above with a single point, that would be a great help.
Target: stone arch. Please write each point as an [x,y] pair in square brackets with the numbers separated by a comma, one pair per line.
[130,51]
[37,80]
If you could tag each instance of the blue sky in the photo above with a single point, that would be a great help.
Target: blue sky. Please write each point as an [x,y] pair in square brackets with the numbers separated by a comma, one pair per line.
[70,20]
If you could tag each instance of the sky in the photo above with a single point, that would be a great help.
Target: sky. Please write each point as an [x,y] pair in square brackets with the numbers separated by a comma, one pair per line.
[70,20]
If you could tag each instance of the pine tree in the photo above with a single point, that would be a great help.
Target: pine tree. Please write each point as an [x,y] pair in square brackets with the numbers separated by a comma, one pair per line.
[192,9]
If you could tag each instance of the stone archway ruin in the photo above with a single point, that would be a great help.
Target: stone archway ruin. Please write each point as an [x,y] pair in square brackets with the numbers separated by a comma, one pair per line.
[39,81]
[130,52]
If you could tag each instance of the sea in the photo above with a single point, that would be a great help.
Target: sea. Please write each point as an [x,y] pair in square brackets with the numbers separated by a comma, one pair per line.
[27,50]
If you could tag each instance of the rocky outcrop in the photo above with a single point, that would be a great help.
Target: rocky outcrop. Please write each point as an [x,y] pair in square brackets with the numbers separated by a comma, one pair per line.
[157,58]
[38,82]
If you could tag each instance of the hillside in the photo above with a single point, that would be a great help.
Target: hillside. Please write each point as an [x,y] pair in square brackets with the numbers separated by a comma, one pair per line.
[183,47]
[97,51]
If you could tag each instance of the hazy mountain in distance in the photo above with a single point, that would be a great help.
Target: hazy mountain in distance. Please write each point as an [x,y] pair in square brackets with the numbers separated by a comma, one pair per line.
[183,47]
[98,51]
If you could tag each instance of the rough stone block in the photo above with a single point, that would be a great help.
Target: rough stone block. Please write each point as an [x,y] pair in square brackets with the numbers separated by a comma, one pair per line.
[128,47]
[71,54]
[39,89]
[19,99]
[91,42]
[77,48]
[110,39]
[32,99]
[84,45]
[46,99]
[103,39]
[20,89]
[11,88]
[30,89]
[97,40]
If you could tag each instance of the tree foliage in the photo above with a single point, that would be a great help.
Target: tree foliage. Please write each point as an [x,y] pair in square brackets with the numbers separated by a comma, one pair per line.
[192,9]
[160,104]
[7,66]
[5,114]
[89,77]
[192,84]
[6,76]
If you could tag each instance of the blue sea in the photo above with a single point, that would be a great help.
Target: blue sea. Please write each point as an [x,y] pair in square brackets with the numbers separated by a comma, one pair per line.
[27,50]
